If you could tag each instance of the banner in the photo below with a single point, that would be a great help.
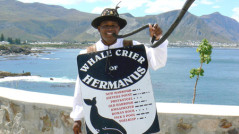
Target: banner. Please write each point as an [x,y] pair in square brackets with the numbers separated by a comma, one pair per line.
[117,92]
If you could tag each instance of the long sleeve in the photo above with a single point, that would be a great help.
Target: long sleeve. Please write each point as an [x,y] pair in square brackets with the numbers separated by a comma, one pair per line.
[157,57]
[77,112]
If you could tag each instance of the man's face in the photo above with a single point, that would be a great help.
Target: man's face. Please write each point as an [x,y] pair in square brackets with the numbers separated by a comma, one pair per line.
[106,29]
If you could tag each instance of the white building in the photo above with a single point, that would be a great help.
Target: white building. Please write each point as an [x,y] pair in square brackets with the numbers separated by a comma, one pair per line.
[4,43]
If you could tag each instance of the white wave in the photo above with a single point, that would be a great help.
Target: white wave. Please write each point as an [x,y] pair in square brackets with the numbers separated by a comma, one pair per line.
[45,58]
[38,79]
[50,58]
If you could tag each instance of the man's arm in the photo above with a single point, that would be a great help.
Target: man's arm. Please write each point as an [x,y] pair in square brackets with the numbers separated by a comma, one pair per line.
[77,127]
[77,111]
[157,57]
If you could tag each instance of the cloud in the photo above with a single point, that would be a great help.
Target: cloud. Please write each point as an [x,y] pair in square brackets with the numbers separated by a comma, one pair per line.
[206,2]
[156,6]
[62,2]
[216,7]
[130,4]
[235,13]
[159,6]
[54,2]
[98,10]
[91,1]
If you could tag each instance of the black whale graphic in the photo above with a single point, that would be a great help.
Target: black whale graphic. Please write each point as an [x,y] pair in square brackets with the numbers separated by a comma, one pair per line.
[101,124]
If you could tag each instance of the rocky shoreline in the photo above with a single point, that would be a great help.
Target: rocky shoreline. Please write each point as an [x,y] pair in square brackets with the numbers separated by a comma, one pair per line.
[7,74]
[14,49]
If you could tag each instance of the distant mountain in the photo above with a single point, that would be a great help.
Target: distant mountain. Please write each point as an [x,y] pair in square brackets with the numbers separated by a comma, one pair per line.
[190,28]
[222,25]
[41,22]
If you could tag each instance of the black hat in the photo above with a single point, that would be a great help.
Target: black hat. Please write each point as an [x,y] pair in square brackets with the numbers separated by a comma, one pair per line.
[109,14]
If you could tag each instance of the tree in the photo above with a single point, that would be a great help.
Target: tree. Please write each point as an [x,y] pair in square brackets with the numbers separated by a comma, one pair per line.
[17,41]
[9,39]
[2,37]
[205,51]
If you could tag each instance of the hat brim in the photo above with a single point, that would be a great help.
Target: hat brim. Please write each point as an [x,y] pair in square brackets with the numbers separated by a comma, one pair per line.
[96,22]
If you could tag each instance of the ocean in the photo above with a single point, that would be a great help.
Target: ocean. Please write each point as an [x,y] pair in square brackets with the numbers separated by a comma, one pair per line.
[55,72]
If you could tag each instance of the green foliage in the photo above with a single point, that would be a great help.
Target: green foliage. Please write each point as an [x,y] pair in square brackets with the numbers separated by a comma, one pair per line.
[17,41]
[197,71]
[205,51]
[2,37]
[10,40]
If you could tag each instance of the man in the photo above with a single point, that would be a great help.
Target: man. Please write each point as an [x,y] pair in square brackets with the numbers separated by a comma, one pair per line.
[110,23]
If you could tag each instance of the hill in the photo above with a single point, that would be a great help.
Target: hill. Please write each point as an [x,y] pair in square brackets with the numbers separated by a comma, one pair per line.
[222,25]
[41,22]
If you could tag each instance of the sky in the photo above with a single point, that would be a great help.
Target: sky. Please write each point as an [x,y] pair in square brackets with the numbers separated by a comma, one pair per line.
[139,8]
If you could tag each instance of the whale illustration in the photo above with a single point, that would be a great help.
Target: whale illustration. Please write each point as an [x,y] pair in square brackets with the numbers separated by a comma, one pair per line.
[102,124]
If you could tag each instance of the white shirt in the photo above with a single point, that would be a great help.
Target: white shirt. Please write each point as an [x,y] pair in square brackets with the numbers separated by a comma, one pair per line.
[157,58]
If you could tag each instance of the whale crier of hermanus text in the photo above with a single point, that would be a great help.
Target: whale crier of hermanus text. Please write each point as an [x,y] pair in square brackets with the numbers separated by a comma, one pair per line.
[124,53]
[122,82]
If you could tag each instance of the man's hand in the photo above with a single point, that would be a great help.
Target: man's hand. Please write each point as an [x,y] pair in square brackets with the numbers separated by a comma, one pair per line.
[77,127]
[155,30]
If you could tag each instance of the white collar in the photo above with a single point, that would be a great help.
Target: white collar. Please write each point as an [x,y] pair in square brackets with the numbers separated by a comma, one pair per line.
[100,46]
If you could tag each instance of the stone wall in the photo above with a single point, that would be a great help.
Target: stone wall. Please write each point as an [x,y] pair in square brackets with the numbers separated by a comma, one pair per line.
[34,113]
[198,119]
[198,124]
[18,117]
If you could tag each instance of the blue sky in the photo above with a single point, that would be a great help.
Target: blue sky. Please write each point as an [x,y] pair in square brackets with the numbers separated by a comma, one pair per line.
[140,8]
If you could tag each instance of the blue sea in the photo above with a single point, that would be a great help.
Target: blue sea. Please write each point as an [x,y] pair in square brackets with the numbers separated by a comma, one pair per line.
[55,72]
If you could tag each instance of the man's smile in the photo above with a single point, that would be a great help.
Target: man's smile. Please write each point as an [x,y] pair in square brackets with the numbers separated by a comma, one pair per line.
[109,33]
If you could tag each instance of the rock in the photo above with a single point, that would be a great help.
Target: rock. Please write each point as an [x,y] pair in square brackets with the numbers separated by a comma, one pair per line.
[184,126]
[6,74]
[6,116]
[66,119]
[46,123]
[2,114]
[16,49]
[225,124]
[17,127]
